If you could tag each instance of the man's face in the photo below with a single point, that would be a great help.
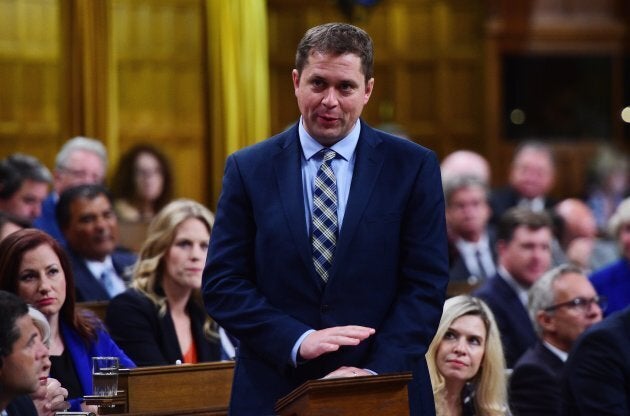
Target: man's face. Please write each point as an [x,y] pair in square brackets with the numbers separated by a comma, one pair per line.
[20,370]
[528,255]
[26,202]
[563,325]
[532,173]
[331,93]
[82,168]
[93,229]
[467,212]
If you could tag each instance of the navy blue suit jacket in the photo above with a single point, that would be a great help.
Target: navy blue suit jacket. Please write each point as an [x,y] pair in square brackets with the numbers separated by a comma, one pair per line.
[21,406]
[535,383]
[87,286]
[596,380]
[47,221]
[515,326]
[389,272]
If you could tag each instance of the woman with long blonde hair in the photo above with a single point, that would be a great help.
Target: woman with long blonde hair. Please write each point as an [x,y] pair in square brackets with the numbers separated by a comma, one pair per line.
[466,361]
[161,318]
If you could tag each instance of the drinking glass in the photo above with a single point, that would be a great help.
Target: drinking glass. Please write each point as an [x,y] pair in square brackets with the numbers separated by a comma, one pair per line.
[105,376]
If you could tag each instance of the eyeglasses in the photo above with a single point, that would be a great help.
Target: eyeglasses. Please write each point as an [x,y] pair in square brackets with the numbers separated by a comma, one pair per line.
[581,304]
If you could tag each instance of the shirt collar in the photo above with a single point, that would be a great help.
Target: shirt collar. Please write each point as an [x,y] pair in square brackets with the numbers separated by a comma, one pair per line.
[469,247]
[98,267]
[344,147]
[521,291]
[563,355]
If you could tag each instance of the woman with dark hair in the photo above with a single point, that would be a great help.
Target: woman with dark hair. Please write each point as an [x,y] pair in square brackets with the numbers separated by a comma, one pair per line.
[142,184]
[161,319]
[35,267]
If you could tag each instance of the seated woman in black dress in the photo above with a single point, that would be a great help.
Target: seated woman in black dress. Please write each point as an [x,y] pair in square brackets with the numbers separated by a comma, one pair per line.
[161,319]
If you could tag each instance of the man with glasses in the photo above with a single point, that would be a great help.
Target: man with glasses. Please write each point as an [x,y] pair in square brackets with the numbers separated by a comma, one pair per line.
[562,305]
[81,161]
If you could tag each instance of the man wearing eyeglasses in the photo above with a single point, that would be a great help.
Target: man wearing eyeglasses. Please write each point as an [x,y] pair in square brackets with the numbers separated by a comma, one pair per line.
[562,305]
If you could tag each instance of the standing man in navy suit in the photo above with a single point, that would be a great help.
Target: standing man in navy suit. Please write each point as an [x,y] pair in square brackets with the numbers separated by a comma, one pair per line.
[375,306]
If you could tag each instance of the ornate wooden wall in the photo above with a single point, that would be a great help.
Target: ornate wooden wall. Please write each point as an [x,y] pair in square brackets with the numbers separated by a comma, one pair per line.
[122,71]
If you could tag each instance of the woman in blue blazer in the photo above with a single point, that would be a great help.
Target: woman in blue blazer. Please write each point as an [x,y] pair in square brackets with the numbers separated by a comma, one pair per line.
[35,267]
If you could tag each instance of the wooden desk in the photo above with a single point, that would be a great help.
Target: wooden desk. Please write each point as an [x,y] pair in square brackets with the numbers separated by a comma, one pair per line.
[350,396]
[187,389]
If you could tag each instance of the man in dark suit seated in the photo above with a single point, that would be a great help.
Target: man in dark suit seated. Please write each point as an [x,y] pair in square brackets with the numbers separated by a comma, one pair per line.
[471,241]
[524,252]
[596,380]
[89,225]
[531,178]
[23,357]
[562,305]
[328,257]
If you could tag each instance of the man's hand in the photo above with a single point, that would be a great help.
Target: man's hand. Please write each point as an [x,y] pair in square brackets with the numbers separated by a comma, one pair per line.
[348,372]
[50,398]
[330,339]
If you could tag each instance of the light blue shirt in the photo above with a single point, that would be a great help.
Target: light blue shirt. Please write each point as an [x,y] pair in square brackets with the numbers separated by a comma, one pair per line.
[342,166]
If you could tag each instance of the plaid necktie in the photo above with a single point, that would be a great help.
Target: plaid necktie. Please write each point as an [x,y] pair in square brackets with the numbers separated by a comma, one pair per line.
[324,237]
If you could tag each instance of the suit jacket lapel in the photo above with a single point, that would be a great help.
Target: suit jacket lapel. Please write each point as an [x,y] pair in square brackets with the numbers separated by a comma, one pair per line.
[367,167]
[288,172]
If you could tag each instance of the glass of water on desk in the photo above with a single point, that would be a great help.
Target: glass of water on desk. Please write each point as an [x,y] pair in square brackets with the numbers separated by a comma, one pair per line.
[105,376]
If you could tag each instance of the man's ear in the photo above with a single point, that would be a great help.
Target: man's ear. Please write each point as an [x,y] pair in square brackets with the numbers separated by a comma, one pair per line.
[546,321]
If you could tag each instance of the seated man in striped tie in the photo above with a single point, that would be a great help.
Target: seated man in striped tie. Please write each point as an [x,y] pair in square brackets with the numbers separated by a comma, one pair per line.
[89,225]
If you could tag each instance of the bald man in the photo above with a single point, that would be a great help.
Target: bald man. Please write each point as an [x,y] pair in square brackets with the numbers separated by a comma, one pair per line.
[465,163]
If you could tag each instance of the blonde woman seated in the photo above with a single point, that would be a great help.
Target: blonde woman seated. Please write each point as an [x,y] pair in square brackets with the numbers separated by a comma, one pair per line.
[161,318]
[466,361]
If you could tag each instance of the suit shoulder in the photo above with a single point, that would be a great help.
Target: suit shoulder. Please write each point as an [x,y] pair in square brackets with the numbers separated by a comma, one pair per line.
[263,149]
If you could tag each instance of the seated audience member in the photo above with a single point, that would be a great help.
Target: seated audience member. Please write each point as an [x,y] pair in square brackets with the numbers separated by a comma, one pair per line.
[608,183]
[24,184]
[10,224]
[531,177]
[578,236]
[23,357]
[613,280]
[465,163]
[35,267]
[50,396]
[562,305]
[596,379]
[140,187]
[466,362]
[471,241]
[81,160]
[524,253]
[161,318]
[87,219]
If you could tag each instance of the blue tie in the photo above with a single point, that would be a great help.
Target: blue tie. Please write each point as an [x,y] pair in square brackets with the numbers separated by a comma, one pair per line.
[110,282]
[324,238]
